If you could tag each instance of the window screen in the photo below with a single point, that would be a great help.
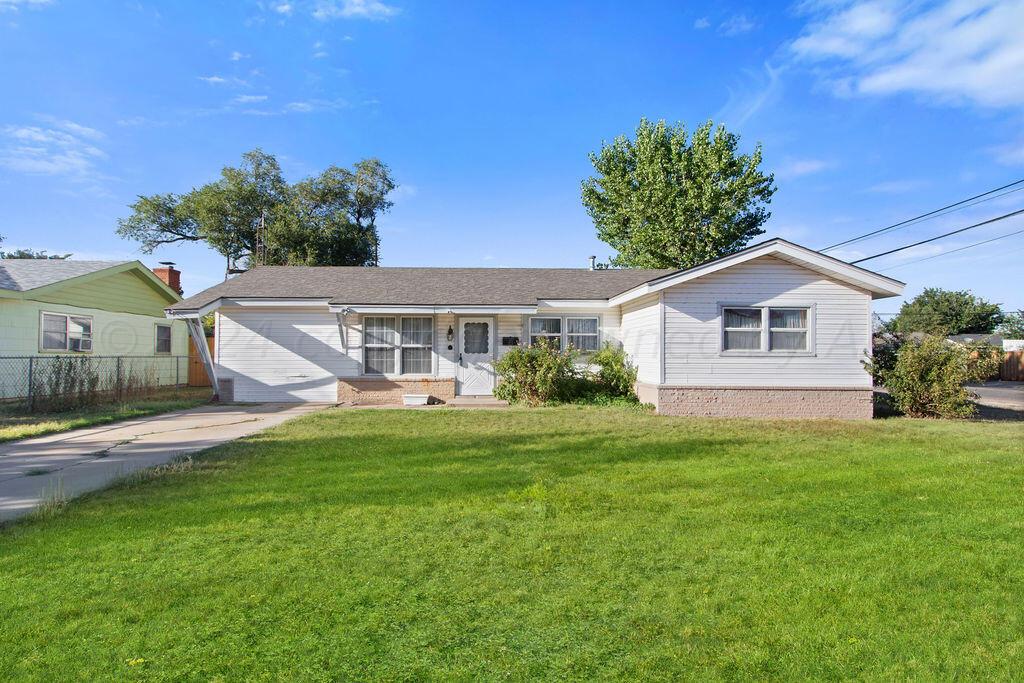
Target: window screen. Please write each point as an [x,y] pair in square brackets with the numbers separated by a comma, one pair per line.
[742,329]
[163,338]
[582,333]
[546,328]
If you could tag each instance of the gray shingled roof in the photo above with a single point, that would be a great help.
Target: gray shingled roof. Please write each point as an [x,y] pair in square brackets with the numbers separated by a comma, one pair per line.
[21,275]
[422,286]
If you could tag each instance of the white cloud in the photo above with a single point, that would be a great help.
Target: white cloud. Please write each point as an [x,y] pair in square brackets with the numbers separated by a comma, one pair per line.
[354,9]
[897,186]
[701,24]
[795,168]
[15,5]
[237,56]
[249,99]
[761,89]
[283,8]
[133,121]
[307,106]
[72,127]
[954,51]
[64,148]
[214,79]
[1010,154]
[735,25]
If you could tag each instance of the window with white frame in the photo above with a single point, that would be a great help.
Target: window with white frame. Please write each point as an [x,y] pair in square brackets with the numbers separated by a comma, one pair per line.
[394,345]
[582,333]
[549,329]
[60,332]
[163,339]
[788,329]
[417,341]
[765,328]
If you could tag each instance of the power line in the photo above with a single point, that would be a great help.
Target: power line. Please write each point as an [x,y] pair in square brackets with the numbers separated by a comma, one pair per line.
[939,237]
[953,251]
[962,204]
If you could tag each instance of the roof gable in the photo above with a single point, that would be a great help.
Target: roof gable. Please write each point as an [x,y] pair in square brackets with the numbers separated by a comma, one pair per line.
[879,286]
[50,279]
[21,275]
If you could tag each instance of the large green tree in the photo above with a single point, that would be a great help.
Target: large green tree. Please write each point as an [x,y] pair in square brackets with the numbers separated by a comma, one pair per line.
[943,312]
[665,199]
[1012,326]
[253,216]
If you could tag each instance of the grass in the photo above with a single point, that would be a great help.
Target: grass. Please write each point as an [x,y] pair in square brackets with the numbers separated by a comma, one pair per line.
[15,424]
[557,543]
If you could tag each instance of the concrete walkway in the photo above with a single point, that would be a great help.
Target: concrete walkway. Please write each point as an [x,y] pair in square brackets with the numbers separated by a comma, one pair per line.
[66,465]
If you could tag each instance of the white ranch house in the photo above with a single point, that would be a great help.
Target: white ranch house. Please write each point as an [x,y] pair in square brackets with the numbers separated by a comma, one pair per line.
[774,330]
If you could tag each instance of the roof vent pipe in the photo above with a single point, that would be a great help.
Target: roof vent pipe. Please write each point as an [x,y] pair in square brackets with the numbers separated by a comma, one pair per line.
[593,261]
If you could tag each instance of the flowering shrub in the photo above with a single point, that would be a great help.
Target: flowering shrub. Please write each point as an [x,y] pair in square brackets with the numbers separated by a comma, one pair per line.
[536,374]
[928,376]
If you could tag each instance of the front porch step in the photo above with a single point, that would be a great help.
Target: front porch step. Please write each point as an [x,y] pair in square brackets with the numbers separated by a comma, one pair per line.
[477,402]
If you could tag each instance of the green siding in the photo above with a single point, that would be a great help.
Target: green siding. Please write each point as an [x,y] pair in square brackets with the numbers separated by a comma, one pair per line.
[126,292]
[114,333]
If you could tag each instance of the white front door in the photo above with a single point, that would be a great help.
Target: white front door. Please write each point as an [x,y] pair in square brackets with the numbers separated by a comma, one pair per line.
[475,370]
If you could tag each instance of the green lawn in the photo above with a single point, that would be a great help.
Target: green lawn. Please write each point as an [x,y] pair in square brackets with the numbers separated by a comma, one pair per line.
[16,424]
[552,543]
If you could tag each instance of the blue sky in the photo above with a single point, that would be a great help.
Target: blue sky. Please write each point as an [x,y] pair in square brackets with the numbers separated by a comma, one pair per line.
[868,112]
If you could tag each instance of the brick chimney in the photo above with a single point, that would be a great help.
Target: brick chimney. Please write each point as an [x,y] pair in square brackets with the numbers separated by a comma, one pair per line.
[170,275]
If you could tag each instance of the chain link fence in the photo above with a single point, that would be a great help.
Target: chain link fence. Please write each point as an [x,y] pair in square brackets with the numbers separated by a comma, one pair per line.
[56,383]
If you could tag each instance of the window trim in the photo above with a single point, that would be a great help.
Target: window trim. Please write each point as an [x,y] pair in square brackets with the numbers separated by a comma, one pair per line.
[546,335]
[596,334]
[563,334]
[67,332]
[156,339]
[766,350]
[397,347]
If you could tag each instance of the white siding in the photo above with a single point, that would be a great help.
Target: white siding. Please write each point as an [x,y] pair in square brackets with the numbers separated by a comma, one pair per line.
[693,329]
[445,361]
[641,336]
[275,355]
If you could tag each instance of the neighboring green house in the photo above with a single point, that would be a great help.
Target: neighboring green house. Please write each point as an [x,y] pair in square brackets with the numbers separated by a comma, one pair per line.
[88,308]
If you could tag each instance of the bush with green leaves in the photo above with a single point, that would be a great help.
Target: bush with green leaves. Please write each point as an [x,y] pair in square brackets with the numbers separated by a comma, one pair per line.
[542,373]
[615,375]
[537,374]
[928,376]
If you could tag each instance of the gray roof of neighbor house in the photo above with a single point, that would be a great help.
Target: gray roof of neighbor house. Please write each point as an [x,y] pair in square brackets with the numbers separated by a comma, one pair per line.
[21,275]
[422,286]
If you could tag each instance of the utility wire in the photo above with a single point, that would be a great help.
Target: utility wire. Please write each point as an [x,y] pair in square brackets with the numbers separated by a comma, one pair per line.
[953,251]
[963,203]
[939,237]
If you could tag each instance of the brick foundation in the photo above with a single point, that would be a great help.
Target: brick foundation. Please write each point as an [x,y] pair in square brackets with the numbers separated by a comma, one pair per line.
[768,402]
[378,390]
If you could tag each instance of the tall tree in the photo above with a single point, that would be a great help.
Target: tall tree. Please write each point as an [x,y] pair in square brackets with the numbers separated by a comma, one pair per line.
[668,200]
[942,312]
[252,215]
[1012,326]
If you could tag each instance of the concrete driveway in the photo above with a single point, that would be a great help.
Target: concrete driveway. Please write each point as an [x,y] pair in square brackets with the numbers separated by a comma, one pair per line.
[1000,400]
[70,464]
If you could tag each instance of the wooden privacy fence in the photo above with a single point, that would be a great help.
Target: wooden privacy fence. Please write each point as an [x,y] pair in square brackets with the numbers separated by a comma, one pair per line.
[196,370]
[1012,367]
